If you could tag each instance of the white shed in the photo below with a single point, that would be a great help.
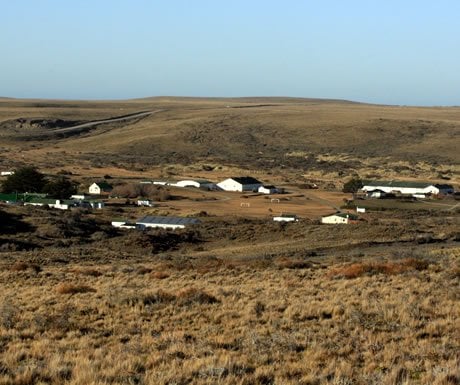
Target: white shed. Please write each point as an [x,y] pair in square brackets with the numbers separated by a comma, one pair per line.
[245,183]
[286,218]
[268,189]
[123,224]
[100,188]
[339,218]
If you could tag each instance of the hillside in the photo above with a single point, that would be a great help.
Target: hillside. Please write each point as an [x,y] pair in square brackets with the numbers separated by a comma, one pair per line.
[262,133]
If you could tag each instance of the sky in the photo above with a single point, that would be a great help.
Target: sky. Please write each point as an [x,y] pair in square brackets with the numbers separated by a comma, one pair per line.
[403,52]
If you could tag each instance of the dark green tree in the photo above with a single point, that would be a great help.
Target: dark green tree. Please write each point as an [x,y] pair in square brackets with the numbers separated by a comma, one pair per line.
[353,185]
[60,188]
[24,179]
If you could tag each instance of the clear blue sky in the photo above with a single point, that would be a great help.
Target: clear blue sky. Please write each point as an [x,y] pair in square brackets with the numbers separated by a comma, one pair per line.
[380,51]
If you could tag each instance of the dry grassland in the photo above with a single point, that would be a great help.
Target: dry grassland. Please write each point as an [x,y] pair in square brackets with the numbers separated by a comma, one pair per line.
[284,321]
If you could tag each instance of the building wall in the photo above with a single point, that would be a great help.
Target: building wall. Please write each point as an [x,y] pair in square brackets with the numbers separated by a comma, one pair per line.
[94,189]
[334,219]
[265,190]
[285,219]
[187,183]
[230,185]
[160,225]
[404,190]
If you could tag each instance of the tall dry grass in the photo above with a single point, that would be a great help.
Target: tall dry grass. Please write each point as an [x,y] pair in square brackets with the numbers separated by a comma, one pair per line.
[284,323]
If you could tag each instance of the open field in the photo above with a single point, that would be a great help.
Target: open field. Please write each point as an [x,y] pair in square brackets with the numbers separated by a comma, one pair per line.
[237,299]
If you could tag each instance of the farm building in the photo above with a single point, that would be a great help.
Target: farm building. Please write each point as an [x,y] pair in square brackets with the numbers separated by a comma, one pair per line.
[198,183]
[166,222]
[269,189]
[145,202]
[406,188]
[123,224]
[244,183]
[339,218]
[53,203]
[100,188]
[286,218]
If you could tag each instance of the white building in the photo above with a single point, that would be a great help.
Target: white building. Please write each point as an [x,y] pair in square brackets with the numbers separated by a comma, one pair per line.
[286,218]
[123,224]
[268,189]
[100,188]
[52,203]
[198,183]
[407,188]
[245,183]
[339,218]
[7,173]
[171,223]
[145,202]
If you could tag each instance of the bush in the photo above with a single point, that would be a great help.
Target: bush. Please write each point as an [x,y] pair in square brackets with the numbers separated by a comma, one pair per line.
[25,179]
[353,185]
[193,295]
[68,288]
[61,188]
[356,270]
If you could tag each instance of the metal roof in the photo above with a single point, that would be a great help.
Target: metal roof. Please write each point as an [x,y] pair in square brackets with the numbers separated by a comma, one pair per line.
[246,180]
[167,220]
[396,183]
[343,215]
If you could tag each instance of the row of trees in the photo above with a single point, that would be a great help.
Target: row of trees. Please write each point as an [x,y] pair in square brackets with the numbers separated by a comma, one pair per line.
[30,180]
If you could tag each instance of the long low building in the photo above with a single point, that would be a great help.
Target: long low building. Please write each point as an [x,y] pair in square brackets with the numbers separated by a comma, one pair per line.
[166,222]
[170,223]
[407,188]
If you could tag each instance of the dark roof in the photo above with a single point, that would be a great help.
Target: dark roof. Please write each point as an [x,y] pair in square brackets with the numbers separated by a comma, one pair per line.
[168,220]
[269,186]
[396,183]
[104,186]
[444,186]
[246,180]
[353,217]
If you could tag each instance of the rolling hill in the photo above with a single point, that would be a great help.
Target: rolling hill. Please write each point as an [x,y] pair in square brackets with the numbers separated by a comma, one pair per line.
[247,132]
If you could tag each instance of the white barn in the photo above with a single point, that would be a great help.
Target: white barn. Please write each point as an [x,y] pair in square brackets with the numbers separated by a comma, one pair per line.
[339,218]
[100,188]
[244,183]
[407,188]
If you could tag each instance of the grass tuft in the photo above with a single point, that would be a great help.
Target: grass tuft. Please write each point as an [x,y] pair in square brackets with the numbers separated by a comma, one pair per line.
[360,269]
[69,288]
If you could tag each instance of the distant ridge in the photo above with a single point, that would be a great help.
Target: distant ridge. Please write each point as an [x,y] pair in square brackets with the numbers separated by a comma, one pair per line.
[248,99]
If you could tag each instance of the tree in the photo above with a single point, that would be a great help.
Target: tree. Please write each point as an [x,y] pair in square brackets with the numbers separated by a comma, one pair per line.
[24,179]
[61,188]
[353,185]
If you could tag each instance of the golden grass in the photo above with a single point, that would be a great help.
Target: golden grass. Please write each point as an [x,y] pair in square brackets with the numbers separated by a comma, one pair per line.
[234,323]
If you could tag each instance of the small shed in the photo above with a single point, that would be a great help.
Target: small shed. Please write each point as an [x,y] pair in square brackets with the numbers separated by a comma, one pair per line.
[100,188]
[286,218]
[339,218]
[268,189]
[145,202]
